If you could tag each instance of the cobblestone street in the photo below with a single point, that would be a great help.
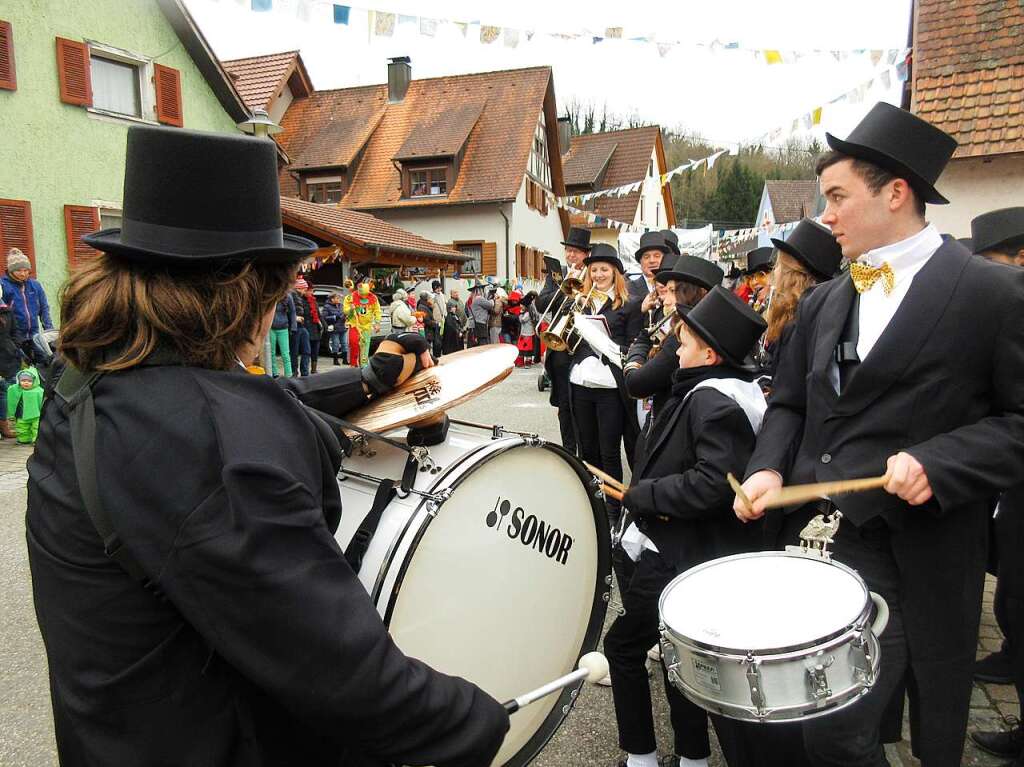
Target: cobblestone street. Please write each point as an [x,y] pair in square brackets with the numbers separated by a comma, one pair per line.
[587,738]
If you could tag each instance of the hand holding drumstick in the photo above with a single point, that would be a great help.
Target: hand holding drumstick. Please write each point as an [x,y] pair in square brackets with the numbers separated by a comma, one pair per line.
[905,477]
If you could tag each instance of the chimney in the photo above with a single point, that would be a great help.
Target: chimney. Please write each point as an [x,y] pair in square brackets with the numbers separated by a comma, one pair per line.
[399,75]
[564,134]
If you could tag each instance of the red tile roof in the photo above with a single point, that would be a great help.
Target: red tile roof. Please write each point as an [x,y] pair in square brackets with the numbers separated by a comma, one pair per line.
[586,160]
[363,229]
[496,154]
[260,78]
[969,72]
[441,135]
[631,151]
[792,200]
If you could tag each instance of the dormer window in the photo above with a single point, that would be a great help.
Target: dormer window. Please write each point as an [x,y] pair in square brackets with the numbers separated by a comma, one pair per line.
[428,182]
[325,189]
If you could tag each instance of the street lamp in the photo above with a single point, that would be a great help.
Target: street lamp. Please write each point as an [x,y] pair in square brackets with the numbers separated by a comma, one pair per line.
[260,125]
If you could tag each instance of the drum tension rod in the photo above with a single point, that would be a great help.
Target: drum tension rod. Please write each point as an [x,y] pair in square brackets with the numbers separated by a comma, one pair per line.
[437,498]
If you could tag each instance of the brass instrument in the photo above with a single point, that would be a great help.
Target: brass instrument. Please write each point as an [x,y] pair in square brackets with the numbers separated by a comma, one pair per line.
[561,334]
[659,331]
[572,283]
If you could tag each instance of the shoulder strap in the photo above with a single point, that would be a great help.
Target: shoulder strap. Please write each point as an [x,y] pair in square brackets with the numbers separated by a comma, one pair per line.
[360,543]
[75,392]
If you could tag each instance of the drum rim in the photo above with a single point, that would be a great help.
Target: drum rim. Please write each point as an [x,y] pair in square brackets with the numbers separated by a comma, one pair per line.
[602,590]
[854,625]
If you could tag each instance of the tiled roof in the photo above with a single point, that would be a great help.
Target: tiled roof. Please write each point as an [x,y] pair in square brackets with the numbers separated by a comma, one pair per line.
[585,160]
[632,149]
[792,200]
[341,135]
[496,154]
[364,230]
[441,135]
[969,73]
[259,78]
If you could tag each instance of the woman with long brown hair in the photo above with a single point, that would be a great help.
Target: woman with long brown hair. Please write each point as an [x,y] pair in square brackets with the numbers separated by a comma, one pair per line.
[193,601]
[604,415]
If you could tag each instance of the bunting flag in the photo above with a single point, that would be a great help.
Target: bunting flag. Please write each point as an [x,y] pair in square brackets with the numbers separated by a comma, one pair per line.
[383,23]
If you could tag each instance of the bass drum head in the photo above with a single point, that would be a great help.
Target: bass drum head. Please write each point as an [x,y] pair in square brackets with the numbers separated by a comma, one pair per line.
[506,587]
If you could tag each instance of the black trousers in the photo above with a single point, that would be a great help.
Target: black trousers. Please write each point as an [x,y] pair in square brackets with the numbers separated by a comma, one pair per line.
[561,393]
[1009,597]
[599,418]
[852,737]
[626,646]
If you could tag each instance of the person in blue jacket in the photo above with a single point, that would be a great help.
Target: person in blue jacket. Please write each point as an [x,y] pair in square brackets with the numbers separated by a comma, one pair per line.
[27,300]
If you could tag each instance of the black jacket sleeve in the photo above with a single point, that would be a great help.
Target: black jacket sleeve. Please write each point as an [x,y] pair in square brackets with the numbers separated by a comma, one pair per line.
[722,438]
[654,375]
[335,392]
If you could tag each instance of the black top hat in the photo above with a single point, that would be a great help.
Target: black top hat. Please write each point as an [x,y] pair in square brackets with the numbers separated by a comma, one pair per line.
[191,197]
[602,253]
[813,246]
[998,228]
[726,324]
[759,260]
[671,239]
[652,241]
[693,269]
[902,144]
[478,285]
[578,238]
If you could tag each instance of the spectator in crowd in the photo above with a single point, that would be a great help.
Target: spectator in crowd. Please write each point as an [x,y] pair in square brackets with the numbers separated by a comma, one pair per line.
[528,339]
[431,330]
[300,336]
[25,405]
[460,311]
[281,329]
[10,363]
[500,298]
[27,300]
[315,327]
[334,325]
[451,336]
[401,314]
[440,309]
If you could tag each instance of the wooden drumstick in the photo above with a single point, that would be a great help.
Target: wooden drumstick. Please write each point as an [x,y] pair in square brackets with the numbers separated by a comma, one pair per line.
[738,489]
[790,496]
[608,479]
[611,491]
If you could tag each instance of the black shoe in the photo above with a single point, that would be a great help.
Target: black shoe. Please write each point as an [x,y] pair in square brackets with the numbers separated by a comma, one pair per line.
[1008,743]
[994,669]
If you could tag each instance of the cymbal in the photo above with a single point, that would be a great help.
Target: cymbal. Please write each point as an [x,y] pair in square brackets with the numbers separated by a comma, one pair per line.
[456,378]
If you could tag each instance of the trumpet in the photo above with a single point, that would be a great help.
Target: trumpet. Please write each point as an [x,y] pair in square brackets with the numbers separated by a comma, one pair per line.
[659,331]
[572,283]
[561,334]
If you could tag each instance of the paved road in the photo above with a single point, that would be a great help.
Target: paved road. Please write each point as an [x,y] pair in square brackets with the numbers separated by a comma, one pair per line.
[587,738]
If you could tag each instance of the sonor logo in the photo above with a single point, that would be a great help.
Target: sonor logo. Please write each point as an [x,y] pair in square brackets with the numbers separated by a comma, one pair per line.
[529,530]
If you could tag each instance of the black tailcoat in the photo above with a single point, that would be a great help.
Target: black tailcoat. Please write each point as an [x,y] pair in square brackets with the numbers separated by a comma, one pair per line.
[268,650]
[945,383]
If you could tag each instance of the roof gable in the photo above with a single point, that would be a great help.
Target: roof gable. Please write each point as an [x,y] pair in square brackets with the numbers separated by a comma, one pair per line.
[497,143]
[260,78]
[584,163]
[791,200]
[631,150]
[969,73]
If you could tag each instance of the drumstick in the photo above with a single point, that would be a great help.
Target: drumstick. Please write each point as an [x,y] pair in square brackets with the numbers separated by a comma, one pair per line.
[789,496]
[609,490]
[608,478]
[736,488]
[592,666]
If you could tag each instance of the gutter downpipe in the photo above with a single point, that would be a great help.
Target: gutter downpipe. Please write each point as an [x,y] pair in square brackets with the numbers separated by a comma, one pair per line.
[507,278]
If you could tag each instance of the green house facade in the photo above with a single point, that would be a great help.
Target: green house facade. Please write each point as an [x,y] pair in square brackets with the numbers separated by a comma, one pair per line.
[74,76]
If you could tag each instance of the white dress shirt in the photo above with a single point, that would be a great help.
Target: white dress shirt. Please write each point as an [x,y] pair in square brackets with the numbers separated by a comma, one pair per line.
[906,258]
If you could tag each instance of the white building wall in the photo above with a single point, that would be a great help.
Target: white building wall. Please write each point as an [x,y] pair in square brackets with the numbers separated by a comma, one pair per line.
[279,105]
[534,230]
[975,186]
[653,207]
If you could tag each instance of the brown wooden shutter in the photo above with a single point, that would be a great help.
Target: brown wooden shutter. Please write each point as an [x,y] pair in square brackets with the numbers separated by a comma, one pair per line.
[543,200]
[79,220]
[16,229]
[168,95]
[8,78]
[538,264]
[73,70]
[489,259]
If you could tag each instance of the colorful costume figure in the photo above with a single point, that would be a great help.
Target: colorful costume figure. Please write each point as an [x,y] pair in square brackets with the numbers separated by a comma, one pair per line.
[24,405]
[362,313]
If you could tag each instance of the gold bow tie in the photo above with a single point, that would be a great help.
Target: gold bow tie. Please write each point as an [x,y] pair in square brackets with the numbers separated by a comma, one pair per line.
[864,277]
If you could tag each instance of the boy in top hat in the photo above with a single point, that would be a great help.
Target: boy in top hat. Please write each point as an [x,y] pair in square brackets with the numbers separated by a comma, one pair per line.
[911,366]
[649,254]
[678,507]
[999,236]
[557,364]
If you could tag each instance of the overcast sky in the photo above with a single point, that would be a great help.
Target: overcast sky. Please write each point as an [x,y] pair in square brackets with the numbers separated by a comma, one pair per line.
[725,95]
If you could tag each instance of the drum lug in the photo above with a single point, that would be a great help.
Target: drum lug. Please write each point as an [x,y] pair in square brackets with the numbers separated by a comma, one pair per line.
[422,457]
[756,686]
[497,431]
[817,679]
[862,660]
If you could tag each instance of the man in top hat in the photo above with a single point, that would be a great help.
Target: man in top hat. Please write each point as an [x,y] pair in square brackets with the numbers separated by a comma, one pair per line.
[678,510]
[911,366]
[672,240]
[652,249]
[759,266]
[195,605]
[999,236]
[557,364]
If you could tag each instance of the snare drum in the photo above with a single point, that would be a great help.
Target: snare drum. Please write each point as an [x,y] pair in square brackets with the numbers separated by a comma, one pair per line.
[771,637]
[499,573]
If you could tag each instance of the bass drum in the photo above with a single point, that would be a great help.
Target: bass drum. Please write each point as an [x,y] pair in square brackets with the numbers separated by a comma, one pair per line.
[499,574]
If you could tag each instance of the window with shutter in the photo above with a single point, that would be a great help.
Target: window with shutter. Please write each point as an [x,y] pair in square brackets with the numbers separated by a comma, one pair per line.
[8,79]
[538,264]
[168,95]
[16,229]
[489,259]
[79,220]
[73,71]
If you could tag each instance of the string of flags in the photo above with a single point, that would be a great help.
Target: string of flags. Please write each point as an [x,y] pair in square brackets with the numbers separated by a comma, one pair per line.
[385,24]
[895,70]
